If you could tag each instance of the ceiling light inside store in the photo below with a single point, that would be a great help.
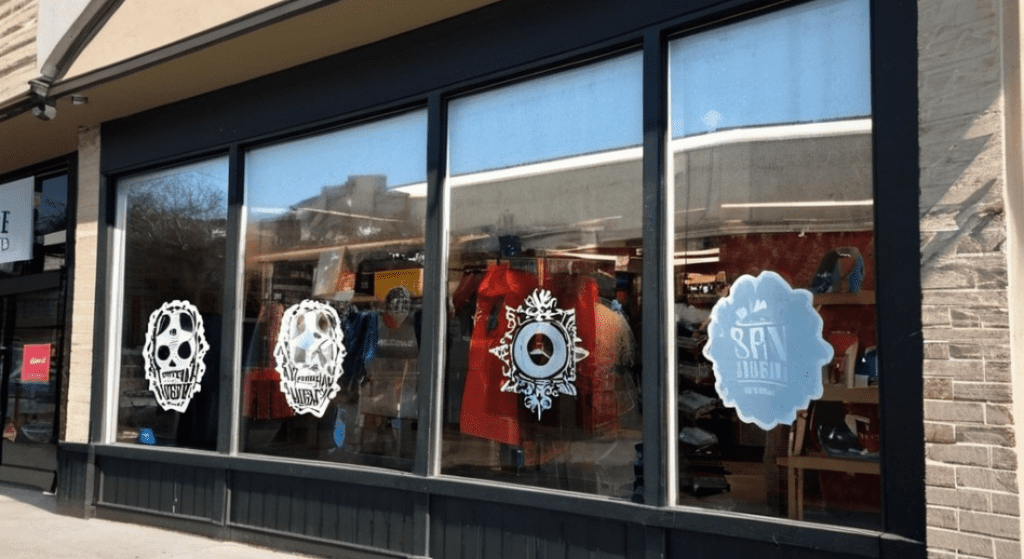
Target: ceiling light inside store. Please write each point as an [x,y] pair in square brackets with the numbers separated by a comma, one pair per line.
[809,204]
[691,261]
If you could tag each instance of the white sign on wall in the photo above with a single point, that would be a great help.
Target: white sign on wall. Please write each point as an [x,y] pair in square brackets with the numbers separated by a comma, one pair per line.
[16,220]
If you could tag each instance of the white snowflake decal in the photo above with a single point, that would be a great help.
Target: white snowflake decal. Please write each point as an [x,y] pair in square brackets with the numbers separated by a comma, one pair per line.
[540,351]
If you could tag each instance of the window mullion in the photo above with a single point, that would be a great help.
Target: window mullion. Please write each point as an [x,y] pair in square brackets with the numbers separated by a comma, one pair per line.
[428,440]
[658,386]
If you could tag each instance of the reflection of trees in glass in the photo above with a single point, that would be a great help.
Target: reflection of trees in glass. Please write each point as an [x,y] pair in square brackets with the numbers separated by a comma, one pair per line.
[53,216]
[175,235]
[52,213]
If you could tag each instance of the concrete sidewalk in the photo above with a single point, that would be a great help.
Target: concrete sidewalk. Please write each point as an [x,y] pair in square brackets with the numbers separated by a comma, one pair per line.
[30,528]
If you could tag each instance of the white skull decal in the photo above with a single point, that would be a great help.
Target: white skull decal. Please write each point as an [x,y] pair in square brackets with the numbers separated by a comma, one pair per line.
[173,354]
[309,354]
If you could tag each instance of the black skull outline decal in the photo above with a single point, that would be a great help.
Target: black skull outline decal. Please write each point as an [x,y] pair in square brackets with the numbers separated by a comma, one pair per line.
[173,354]
[309,355]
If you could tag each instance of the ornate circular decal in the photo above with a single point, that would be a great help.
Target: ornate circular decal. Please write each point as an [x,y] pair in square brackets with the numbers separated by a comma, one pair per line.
[539,351]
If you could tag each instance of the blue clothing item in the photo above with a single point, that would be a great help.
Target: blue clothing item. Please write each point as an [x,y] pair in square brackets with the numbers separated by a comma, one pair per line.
[360,345]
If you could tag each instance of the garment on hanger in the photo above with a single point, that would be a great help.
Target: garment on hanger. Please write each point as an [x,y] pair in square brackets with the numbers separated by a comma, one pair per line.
[361,328]
[261,386]
[488,412]
[390,388]
[596,408]
[262,397]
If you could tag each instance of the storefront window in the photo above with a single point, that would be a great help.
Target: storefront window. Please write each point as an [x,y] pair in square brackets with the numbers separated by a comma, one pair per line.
[32,334]
[333,294]
[774,266]
[174,223]
[544,284]
[52,222]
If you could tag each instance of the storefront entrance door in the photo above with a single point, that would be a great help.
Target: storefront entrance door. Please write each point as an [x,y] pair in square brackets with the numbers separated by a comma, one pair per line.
[31,350]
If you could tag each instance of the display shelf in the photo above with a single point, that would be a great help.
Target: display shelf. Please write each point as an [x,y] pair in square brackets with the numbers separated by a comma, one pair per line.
[857,395]
[797,465]
[858,298]
[830,464]
[701,298]
[313,253]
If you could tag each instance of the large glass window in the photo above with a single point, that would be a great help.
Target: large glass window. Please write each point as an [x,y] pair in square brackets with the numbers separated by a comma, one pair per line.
[544,283]
[774,265]
[174,225]
[773,278]
[333,294]
[32,335]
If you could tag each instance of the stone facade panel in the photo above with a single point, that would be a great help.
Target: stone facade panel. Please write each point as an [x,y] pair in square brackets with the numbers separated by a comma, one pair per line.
[963,454]
[962,499]
[957,412]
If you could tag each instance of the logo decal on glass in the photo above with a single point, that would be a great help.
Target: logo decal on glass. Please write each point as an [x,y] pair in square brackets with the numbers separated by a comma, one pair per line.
[540,351]
[309,356]
[173,354]
[765,342]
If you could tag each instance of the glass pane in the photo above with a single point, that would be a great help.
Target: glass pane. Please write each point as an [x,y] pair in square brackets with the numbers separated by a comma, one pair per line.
[174,238]
[544,282]
[771,148]
[49,229]
[333,294]
[516,125]
[52,223]
[30,343]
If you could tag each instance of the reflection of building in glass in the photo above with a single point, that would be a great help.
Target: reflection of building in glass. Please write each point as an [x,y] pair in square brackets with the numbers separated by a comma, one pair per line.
[800,177]
[360,213]
[362,209]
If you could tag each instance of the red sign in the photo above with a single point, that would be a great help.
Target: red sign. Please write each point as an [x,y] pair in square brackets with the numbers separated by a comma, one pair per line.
[35,364]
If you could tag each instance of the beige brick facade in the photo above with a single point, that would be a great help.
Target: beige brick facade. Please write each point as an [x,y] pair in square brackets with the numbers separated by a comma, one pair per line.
[84,297]
[17,47]
[973,503]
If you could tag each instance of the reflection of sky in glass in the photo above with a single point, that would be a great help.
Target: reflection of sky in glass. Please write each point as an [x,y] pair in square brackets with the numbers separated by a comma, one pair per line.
[803,64]
[210,169]
[283,174]
[585,110]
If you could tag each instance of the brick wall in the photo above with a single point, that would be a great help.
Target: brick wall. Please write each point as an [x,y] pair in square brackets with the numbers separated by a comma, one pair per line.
[973,503]
[17,47]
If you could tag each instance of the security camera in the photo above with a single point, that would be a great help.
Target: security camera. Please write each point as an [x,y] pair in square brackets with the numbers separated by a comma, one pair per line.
[44,111]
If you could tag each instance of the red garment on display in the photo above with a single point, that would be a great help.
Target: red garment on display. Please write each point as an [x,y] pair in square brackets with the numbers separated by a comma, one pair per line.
[262,396]
[596,405]
[488,412]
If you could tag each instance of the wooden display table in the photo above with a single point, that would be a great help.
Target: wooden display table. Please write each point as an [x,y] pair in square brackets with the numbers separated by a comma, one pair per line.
[795,463]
